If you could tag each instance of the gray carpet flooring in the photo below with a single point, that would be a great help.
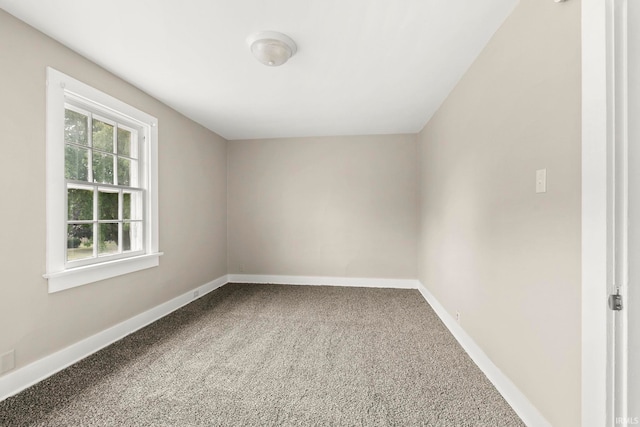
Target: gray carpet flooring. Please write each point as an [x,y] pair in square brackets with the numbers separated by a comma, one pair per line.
[270,355]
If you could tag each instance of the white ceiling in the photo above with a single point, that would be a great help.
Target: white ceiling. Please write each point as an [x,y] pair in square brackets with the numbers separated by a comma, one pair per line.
[362,66]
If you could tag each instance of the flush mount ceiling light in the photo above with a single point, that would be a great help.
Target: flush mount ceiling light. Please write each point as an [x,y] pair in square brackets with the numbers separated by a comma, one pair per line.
[271,48]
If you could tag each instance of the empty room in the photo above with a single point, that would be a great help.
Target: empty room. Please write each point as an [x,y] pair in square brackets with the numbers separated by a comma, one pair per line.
[310,213]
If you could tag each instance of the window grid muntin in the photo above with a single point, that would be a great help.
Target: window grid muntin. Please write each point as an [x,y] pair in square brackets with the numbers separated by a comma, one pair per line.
[138,139]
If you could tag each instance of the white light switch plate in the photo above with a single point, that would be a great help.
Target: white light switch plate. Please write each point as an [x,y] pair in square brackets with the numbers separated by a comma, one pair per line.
[541,181]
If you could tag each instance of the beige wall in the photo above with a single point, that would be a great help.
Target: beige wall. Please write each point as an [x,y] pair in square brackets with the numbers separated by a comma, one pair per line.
[192,202]
[335,206]
[506,258]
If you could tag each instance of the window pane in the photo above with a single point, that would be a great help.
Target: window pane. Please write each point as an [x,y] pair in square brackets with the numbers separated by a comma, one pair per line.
[102,136]
[134,145]
[103,168]
[75,128]
[79,204]
[107,205]
[132,236]
[76,160]
[108,239]
[133,173]
[124,142]
[132,205]
[79,241]
[124,171]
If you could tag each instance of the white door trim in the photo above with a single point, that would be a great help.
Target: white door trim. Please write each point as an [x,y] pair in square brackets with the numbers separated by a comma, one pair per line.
[597,143]
[619,349]
[630,346]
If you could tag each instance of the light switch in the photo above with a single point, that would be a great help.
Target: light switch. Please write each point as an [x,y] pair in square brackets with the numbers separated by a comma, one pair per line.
[541,181]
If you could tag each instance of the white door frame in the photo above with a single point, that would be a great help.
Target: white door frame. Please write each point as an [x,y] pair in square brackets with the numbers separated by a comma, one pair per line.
[598,139]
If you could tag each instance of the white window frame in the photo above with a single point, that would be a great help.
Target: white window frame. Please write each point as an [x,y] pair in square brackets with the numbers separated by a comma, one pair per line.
[61,275]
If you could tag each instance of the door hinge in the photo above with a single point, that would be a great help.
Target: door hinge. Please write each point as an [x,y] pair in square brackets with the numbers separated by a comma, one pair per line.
[615,301]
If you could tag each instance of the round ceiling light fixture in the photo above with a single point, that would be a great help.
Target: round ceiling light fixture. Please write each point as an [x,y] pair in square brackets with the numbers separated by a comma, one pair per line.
[271,48]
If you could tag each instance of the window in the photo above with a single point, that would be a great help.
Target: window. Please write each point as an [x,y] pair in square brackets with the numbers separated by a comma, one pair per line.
[101,185]
[104,192]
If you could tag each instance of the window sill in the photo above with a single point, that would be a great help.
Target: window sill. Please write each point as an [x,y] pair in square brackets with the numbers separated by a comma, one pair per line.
[79,276]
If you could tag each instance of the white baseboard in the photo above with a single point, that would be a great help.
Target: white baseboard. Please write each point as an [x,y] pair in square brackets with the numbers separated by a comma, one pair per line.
[324,281]
[15,381]
[514,397]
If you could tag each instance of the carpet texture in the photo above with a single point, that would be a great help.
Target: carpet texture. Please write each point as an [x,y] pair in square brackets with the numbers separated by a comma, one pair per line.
[271,355]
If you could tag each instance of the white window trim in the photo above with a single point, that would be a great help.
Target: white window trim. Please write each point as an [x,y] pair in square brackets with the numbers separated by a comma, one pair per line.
[60,86]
